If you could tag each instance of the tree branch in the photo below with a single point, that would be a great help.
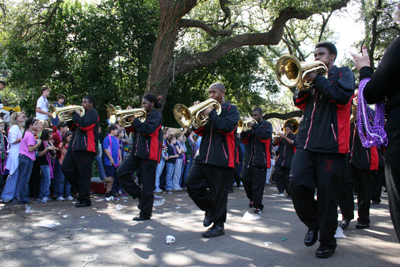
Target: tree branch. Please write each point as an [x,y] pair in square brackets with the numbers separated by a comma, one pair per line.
[283,116]
[225,9]
[190,23]
[272,37]
[324,23]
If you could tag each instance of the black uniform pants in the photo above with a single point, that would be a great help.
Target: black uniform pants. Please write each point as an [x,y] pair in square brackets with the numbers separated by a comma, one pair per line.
[324,172]
[363,178]
[392,173]
[254,178]
[146,171]
[377,183]
[282,179]
[77,169]
[208,186]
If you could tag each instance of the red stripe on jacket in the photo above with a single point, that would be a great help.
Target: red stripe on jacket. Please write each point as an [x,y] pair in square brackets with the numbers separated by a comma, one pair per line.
[155,145]
[267,151]
[374,159]
[343,123]
[91,144]
[199,131]
[230,139]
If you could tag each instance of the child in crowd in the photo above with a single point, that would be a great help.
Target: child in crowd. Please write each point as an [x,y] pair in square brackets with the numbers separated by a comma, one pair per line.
[46,160]
[26,158]
[112,158]
[58,180]
[4,147]
[163,159]
[58,104]
[172,156]
[63,149]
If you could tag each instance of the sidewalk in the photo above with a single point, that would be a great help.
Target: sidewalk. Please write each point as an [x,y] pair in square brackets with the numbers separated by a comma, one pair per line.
[107,237]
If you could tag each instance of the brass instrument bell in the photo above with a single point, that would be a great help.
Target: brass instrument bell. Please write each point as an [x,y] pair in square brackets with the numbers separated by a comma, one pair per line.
[295,124]
[243,125]
[291,72]
[123,115]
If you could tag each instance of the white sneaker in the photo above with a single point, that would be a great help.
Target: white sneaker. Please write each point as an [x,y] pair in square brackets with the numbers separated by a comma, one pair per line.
[60,198]
[158,190]
[69,198]
[45,200]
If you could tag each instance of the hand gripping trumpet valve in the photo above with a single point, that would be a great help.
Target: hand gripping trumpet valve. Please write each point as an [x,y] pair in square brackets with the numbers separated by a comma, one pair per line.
[192,116]
[291,72]
[123,115]
[63,112]
[243,125]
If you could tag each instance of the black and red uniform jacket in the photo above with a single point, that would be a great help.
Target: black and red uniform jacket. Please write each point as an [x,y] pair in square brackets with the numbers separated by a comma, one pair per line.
[147,137]
[217,145]
[86,131]
[325,126]
[361,157]
[237,149]
[286,151]
[258,141]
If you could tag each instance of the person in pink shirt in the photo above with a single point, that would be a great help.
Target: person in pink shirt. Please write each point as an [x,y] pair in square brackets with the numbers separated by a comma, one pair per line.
[26,158]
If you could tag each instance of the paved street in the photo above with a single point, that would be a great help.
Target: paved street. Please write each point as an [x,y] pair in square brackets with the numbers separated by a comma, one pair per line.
[108,237]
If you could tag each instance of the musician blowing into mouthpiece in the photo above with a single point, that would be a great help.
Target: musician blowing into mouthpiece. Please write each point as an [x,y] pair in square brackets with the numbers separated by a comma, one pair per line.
[322,143]
[209,178]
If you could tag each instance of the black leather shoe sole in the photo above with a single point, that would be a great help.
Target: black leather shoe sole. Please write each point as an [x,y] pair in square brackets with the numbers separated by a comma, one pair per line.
[311,238]
[213,232]
[83,204]
[139,218]
[325,253]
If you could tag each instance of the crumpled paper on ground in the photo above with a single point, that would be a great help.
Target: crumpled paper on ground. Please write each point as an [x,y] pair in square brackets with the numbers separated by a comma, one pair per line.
[48,224]
[339,233]
[250,217]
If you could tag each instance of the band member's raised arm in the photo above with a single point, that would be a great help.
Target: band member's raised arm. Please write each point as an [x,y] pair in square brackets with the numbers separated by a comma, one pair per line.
[150,125]
[300,99]
[86,122]
[263,133]
[226,124]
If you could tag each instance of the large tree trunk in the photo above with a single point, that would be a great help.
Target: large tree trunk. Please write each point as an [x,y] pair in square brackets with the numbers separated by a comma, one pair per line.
[162,64]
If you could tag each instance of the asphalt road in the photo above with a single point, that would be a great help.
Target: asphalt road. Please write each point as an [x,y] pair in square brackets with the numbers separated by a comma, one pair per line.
[108,237]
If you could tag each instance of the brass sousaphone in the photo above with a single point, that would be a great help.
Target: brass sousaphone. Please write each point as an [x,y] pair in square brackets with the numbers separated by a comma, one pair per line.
[187,117]
[63,112]
[123,115]
[291,72]
[295,123]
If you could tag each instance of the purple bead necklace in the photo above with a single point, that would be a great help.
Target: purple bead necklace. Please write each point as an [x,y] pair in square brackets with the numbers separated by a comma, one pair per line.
[370,135]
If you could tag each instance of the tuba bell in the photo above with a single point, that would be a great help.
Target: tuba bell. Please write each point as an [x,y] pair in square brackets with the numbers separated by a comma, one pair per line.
[295,123]
[291,72]
[123,115]
[243,125]
[187,117]
[63,114]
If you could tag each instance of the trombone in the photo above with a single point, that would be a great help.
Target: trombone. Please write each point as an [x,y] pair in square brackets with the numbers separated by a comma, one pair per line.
[243,125]
[63,112]
[291,72]
[123,115]
[187,117]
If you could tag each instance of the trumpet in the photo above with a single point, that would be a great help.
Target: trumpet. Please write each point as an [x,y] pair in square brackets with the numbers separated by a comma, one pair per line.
[290,72]
[187,117]
[243,125]
[63,114]
[113,114]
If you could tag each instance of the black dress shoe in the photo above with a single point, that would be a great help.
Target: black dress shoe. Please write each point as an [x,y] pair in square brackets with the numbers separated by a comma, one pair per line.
[83,204]
[324,251]
[376,202]
[311,237]
[344,224]
[281,191]
[141,218]
[214,231]
[207,220]
[361,225]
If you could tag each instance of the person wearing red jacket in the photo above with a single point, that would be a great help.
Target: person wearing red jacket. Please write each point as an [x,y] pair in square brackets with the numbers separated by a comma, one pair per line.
[322,144]
[77,164]
[144,157]
[210,176]
[257,159]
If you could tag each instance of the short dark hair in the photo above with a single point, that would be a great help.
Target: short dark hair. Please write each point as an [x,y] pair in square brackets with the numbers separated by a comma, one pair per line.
[154,99]
[188,132]
[45,134]
[60,96]
[328,45]
[258,109]
[288,125]
[111,127]
[3,83]
[218,85]
[62,124]
[44,88]
[90,99]
[170,138]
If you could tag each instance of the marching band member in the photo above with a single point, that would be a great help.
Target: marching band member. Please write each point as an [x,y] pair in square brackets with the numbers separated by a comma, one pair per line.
[257,158]
[287,148]
[322,144]
[77,164]
[214,165]
[144,157]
